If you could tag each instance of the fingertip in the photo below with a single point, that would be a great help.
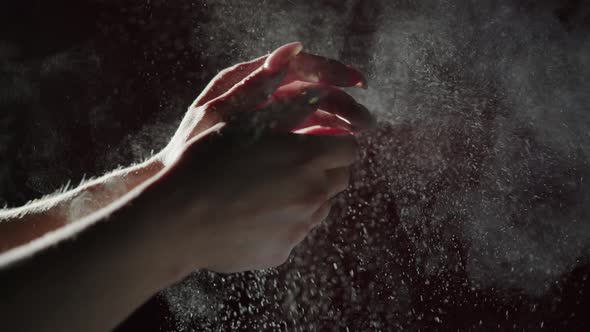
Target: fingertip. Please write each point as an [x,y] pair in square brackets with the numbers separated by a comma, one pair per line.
[363,84]
[357,78]
[282,55]
[297,47]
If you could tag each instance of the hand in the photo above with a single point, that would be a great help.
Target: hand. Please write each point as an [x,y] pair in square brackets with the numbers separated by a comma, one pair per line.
[235,206]
[217,203]
[286,87]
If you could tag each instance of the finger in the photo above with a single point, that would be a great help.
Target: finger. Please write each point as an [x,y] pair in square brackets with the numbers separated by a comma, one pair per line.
[312,152]
[255,88]
[322,131]
[324,119]
[337,179]
[326,98]
[227,78]
[285,112]
[320,214]
[282,56]
[317,69]
[231,76]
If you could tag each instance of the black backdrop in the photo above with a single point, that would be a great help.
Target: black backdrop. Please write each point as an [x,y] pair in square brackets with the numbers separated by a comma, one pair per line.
[465,213]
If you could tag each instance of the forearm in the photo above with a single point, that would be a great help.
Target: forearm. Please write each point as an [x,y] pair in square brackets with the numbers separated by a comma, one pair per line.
[23,224]
[101,269]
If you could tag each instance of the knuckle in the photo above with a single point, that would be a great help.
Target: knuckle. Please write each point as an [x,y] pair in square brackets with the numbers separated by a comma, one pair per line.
[298,232]
[320,216]
[316,195]
[315,220]
[340,187]
[279,258]
[341,180]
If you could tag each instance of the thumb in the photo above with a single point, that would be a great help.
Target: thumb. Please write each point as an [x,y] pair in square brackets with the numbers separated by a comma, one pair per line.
[231,76]
[257,87]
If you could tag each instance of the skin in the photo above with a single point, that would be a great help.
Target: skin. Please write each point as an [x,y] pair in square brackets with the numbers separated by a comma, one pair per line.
[249,172]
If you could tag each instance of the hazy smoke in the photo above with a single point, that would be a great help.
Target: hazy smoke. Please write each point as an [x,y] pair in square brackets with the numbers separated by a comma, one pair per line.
[512,82]
[485,140]
[472,191]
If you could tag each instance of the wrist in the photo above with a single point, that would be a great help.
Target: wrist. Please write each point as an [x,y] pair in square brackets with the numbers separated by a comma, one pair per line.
[196,124]
[172,216]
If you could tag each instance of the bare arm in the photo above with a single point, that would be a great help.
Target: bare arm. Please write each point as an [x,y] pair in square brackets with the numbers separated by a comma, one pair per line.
[24,224]
[214,202]
[21,225]
[93,279]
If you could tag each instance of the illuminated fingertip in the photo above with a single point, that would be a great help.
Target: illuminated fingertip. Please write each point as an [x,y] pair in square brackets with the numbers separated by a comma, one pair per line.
[297,47]
[282,55]
[362,85]
[357,78]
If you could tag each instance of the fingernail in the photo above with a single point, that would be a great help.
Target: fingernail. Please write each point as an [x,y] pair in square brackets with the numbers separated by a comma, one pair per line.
[357,78]
[361,84]
[282,55]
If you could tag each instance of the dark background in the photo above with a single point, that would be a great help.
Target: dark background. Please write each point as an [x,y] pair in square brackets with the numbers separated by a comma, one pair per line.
[468,211]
